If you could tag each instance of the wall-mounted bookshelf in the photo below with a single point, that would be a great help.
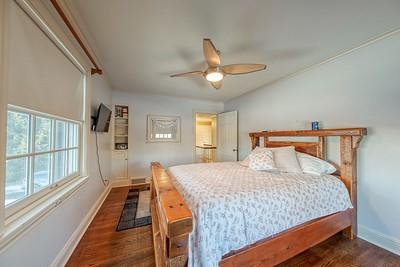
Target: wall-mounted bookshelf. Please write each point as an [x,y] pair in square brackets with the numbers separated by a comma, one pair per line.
[121,127]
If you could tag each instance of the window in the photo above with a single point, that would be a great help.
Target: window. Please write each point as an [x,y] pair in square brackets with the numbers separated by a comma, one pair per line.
[163,129]
[42,152]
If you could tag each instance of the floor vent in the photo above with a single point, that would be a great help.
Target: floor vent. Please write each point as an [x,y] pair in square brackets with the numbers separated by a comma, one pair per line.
[138,181]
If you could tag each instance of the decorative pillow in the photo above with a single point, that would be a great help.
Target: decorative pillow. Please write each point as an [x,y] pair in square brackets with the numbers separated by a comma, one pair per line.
[313,165]
[246,161]
[285,158]
[262,161]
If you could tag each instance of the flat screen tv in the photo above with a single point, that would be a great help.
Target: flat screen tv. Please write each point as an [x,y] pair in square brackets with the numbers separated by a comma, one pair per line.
[102,119]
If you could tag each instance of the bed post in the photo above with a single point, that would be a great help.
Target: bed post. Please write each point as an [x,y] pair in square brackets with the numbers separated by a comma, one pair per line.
[255,141]
[321,147]
[348,174]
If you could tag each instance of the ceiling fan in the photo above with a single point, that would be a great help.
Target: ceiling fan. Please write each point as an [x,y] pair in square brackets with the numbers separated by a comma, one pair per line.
[215,72]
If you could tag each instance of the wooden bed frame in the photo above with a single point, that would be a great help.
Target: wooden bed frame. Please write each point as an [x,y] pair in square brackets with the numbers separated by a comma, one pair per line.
[173,221]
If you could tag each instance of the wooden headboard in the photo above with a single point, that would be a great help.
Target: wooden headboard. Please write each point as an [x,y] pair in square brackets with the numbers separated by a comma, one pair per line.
[350,139]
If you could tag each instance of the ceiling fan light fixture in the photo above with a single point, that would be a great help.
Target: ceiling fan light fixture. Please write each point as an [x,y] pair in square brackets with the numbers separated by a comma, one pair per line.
[215,71]
[214,76]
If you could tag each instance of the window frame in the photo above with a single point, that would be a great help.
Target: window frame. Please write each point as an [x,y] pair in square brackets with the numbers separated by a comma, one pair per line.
[32,197]
[151,136]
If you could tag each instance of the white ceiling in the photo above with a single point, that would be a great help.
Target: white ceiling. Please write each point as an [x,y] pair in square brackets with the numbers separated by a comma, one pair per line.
[139,43]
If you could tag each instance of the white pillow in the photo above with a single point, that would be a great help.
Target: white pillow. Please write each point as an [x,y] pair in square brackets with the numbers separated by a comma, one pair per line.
[285,158]
[262,161]
[313,165]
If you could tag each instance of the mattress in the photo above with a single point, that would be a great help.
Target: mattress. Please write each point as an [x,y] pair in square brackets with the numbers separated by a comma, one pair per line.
[234,206]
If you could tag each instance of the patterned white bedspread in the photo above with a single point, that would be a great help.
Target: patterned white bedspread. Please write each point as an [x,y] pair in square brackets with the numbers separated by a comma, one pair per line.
[234,206]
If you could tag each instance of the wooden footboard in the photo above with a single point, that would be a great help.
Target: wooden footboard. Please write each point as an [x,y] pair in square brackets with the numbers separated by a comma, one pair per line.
[171,218]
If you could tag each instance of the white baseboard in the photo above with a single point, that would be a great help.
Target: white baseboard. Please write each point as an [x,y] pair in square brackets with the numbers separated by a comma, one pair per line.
[381,240]
[73,241]
[138,177]
[126,181]
[120,182]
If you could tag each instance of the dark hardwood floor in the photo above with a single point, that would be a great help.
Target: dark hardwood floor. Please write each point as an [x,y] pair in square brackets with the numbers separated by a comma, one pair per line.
[103,246]
[339,251]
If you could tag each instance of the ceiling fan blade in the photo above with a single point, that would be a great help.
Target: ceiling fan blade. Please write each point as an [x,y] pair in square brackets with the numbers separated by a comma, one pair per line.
[188,74]
[211,53]
[235,69]
[217,85]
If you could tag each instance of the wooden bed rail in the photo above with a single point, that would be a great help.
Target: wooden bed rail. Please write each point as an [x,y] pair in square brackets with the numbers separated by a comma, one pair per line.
[283,246]
[171,218]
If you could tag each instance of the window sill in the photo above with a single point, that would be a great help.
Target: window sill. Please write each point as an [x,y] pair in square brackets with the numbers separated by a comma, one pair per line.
[19,223]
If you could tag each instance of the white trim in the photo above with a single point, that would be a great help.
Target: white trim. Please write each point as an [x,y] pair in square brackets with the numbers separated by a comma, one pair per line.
[16,228]
[146,182]
[27,155]
[66,252]
[138,177]
[381,240]
[120,182]
[4,14]
[41,114]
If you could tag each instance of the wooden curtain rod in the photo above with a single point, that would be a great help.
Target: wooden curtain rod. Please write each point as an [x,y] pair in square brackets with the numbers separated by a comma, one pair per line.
[96,68]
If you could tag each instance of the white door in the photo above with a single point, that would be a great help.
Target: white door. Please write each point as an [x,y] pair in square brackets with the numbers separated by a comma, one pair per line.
[227,145]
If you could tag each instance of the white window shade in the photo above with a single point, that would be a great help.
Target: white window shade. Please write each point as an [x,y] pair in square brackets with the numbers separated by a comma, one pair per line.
[163,128]
[40,76]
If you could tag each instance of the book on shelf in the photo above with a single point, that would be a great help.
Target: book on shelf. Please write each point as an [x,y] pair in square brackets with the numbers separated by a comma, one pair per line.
[121,112]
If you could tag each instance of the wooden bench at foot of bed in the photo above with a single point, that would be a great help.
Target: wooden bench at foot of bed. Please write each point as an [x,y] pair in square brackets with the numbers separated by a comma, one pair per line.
[173,221]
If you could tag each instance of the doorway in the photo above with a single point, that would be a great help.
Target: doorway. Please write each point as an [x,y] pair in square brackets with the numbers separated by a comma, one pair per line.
[216,137]
[206,137]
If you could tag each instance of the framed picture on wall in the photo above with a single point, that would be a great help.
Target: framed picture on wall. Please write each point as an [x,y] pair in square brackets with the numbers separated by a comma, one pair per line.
[163,129]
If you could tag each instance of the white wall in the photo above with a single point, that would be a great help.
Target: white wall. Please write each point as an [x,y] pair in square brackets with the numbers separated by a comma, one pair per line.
[101,93]
[42,243]
[358,89]
[142,153]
